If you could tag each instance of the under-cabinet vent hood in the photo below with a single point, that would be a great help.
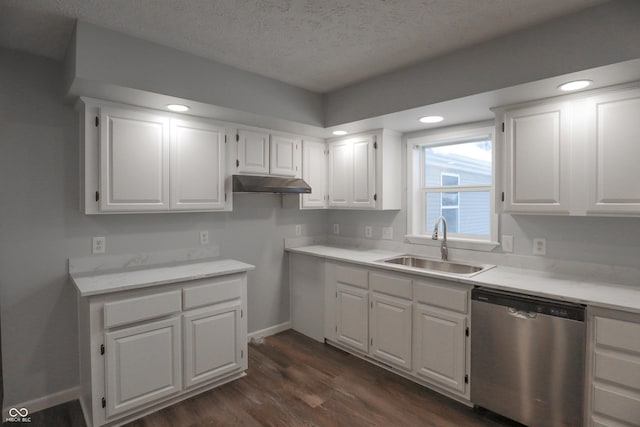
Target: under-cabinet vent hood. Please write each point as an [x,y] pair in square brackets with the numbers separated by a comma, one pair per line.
[269,184]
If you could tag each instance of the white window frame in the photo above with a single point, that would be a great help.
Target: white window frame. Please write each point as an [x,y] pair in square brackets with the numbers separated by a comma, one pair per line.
[416,232]
[442,206]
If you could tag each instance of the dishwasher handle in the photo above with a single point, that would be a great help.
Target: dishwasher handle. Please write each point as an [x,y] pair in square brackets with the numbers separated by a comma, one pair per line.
[521,314]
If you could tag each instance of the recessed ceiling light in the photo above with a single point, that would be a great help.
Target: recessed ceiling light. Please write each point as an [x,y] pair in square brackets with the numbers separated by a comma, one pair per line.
[431,119]
[177,107]
[575,85]
[339,132]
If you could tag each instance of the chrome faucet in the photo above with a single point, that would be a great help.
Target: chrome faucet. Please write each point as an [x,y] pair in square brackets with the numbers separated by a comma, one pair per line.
[444,251]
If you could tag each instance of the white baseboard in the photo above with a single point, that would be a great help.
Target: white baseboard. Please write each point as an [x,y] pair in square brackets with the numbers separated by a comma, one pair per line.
[45,402]
[271,330]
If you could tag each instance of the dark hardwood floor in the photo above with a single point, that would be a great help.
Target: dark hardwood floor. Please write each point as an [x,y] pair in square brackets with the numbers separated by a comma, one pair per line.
[295,381]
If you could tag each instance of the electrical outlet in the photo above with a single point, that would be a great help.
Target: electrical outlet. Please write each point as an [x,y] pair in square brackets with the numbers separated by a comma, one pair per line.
[298,229]
[368,231]
[540,247]
[204,237]
[336,228]
[387,233]
[507,243]
[99,244]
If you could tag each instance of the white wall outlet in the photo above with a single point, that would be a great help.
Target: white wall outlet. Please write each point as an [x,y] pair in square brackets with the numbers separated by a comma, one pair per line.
[368,231]
[204,237]
[336,228]
[387,233]
[507,243]
[99,244]
[540,247]
[298,229]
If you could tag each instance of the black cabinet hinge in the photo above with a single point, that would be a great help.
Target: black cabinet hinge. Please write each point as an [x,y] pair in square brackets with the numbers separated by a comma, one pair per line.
[241,313]
[336,328]
[375,145]
[101,348]
[225,139]
[97,121]
[241,354]
[225,197]
[466,331]
[466,379]
[104,402]
[375,197]
[97,196]
[372,341]
[371,304]
[237,137]
[502,126]
[503,196]
[237,163]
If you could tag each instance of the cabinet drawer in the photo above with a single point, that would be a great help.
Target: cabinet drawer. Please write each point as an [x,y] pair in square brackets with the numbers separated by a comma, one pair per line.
[617,404]
[444,296]
[211,291]
[141,308]
[618,334]
[391,285]
[618,368]
[352,276]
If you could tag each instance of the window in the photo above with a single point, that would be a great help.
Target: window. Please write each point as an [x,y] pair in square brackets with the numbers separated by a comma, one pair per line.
[451,175]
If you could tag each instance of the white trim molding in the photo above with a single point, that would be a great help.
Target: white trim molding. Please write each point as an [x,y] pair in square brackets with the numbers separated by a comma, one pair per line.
[271,330]
[44,402]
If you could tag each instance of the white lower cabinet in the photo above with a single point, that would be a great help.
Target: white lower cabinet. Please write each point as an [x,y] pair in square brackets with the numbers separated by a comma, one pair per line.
[141,350]
[613,379]
[416,327]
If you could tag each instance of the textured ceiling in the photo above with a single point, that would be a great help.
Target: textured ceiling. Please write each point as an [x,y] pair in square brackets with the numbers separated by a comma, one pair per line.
[319,45]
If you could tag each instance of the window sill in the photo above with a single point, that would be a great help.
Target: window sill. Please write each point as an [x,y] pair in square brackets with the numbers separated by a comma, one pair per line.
[474,245]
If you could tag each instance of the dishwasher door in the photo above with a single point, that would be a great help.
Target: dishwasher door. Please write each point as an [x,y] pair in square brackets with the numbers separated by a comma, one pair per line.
[527,358]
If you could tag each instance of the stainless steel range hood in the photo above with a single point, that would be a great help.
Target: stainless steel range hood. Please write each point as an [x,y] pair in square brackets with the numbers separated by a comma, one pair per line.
[269,184]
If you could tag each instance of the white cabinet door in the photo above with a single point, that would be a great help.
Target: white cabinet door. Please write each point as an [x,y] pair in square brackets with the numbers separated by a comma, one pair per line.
[537,152]
[613,137]
[285,155]
[253,152]
[314,172]
[143,364]
[197,165]
[352,173]
[134,161]
[439,347]
[390,324]
[353,317]
[364,173]
[340,174]
[213,342]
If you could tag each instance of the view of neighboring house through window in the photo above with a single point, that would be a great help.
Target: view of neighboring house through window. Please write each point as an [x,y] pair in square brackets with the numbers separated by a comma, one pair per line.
[453,178]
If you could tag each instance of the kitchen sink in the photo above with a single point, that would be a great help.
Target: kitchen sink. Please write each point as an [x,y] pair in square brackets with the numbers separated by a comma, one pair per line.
[448,267]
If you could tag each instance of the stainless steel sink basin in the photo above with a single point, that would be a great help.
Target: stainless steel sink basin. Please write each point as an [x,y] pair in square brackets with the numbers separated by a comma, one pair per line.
[439,266]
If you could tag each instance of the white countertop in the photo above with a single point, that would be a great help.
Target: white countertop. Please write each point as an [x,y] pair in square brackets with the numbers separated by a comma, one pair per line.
[532,282]
[96,283]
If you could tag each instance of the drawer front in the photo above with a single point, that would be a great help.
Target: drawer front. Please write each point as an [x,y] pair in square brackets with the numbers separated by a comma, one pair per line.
[391,285]
[141,308]
[618,368]
[211,291]
[618,334]
[352,276]
[617,404]
[444,296]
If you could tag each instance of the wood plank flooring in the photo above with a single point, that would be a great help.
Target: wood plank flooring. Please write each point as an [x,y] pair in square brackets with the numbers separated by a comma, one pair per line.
[295,381]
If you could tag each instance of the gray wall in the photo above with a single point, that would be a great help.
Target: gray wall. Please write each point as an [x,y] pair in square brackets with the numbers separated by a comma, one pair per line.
[594,37]
[41,227]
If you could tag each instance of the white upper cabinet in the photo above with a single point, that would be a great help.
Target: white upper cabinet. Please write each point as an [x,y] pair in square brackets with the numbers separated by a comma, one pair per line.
[364,171]
[537,153]
[314,172]
[197,165]
[253,152]
[613,141]
[134,161]
[285,152]
[573,155]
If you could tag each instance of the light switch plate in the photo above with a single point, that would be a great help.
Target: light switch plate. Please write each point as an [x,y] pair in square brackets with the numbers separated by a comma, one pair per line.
[298,229]
[99,244]
[204,237]
[507,243]
[336,228]
[368,231]
[540,247]
[387,233]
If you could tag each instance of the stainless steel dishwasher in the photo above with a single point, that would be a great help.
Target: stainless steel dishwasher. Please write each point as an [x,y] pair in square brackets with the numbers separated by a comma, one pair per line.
[527,358]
